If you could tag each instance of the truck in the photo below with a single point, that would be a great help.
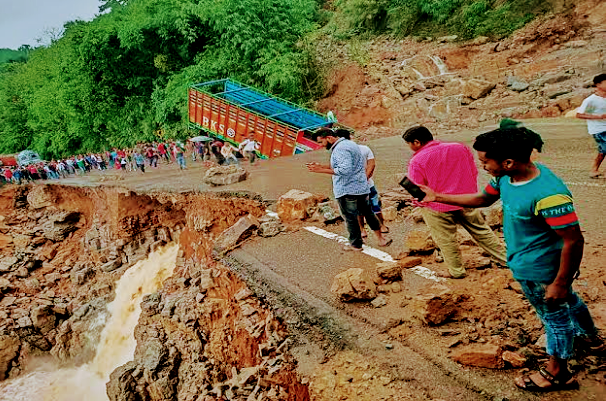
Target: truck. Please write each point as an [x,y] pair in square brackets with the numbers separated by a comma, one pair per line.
[229,110]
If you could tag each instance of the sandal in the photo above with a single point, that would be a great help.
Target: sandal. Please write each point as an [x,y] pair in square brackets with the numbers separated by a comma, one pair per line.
[564,381]
[385,230]
[596,176]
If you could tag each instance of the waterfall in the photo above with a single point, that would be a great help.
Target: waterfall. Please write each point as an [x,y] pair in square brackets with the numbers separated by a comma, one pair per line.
[117,345]
[440,64]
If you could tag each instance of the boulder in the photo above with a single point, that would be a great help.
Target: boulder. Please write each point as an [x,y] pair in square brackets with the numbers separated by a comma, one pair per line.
[39,197]
[420,242]
[270,228]
[225,175]
[329,212]
[477,88]
[43,318]
[517,84]
[354,284]
[9,351]
[5,285]
[390,271]
[110,266]
[58,231]
[409,261]
[295,205]
[552,78]
[514,359]
[122,384]
[8,264]
[379,301]
[390,213]
[235,234]
[433,309]
[479,355]
[478,263]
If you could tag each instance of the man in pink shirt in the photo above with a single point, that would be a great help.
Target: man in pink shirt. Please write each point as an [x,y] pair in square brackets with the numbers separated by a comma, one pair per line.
[449,167]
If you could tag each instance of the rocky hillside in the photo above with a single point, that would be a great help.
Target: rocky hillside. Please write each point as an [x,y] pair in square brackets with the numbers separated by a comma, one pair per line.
[62,251]
[543,70]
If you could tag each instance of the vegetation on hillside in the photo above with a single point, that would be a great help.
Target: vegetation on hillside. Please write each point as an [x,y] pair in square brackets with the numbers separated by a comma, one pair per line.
[122,78]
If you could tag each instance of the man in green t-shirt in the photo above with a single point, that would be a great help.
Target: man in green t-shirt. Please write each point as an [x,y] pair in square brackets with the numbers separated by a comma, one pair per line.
[544,245]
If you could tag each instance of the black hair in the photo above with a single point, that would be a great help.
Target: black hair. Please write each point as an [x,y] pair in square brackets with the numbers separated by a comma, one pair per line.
[336,132]
[599,78]
[509,143]
[508,123]
[418,133]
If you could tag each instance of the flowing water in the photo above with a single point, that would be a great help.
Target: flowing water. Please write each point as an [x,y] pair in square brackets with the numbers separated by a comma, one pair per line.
[117,345]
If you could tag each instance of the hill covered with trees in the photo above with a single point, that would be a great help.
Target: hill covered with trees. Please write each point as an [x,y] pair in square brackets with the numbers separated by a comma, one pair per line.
[122,77]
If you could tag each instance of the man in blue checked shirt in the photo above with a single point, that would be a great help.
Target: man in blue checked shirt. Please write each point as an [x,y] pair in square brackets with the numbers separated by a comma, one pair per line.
[350,185]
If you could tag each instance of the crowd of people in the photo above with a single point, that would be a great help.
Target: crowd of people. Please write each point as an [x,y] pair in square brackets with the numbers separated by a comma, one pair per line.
[142,156]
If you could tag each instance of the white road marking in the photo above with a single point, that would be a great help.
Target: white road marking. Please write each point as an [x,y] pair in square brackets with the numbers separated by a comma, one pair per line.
[272,214]
[375,253]
[586,184]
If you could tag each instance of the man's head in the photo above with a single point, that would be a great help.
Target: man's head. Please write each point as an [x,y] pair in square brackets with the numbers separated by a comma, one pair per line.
[506,150]
[417,137]
[251,136]
[600,82]
[328,136]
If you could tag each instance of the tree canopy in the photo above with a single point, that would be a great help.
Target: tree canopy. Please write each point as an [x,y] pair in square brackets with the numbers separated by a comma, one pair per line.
[122,77]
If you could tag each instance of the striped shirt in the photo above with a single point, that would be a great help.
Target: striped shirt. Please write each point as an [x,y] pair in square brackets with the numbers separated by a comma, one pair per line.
[532,211]
[349,166]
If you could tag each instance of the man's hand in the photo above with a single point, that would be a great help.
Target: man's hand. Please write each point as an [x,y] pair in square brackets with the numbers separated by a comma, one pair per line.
[313,167]
[556,293]
[430,195]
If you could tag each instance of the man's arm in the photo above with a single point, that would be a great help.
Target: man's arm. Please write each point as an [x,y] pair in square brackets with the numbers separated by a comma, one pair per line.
[370,168]
[586,116]
[320,168]
[570,261]
[481,199]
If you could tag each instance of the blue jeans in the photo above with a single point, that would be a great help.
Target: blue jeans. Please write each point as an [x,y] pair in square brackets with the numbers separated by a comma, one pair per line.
[562,322]
[181,160]
[351,206]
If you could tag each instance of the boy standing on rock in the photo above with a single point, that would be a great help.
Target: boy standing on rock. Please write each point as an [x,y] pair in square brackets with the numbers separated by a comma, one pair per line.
[544,246]
[593,110]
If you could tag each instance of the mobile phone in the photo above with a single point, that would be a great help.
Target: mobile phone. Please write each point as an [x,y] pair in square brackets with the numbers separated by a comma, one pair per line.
[412,188]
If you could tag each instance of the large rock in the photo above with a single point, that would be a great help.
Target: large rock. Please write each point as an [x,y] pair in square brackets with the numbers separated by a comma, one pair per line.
[5,284]
[481,356]
[40,197]
[420,242]
[514,359]
[9,351]
[517,84]
[409,261]
[43,318]
[433,309]
[270,228]
[390,271]
[8,264]
[225,175]
[354,284]
[231,237]
[295,205]
[122,384]
[58,231]
[328,212]
[477,88]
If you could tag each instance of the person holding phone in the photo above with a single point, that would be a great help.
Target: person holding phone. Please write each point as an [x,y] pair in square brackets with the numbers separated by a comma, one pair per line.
[449,167]
[544,247]
[350,185]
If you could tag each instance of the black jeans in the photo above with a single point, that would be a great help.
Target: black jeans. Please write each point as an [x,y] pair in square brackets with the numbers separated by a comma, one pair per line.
[351,206]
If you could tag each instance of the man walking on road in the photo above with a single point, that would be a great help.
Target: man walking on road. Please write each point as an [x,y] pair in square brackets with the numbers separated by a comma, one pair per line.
[544,246]
[593,110]
[350,185]
[449,168]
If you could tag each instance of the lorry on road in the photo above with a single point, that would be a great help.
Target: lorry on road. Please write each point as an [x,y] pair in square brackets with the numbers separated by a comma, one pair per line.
[230,111]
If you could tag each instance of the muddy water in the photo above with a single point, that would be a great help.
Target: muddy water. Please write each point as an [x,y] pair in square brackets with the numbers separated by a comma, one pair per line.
[116,347]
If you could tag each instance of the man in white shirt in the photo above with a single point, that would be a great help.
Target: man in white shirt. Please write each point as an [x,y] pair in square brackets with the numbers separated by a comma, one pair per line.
[375,201]
[248,148]
[593,110]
